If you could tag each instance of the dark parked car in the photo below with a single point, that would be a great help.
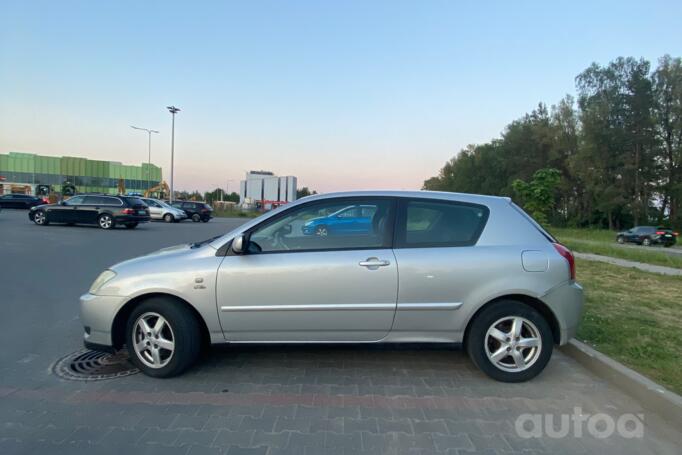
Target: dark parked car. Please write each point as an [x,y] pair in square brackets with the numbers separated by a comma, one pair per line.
[104,211]
[21,201]
[648,235]
[196,211]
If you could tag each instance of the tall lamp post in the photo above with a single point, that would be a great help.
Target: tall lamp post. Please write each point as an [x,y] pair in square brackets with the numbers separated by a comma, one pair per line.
[149,158]
[173,110]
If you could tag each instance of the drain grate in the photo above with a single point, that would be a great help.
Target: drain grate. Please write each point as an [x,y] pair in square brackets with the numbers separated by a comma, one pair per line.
[87,365]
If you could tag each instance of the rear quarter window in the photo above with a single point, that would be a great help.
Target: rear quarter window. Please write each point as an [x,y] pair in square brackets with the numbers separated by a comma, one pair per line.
[426,223]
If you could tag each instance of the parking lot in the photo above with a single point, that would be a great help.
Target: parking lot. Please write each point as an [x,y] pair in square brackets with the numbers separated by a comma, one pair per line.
[261,399]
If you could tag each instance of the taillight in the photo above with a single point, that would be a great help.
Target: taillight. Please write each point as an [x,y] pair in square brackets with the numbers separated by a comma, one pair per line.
[204,210]
[566,253]
[128,211]
[46,200]
[660,232]
[676,234]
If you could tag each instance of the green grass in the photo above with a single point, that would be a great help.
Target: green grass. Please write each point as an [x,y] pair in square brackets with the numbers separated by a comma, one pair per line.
[237,213]
[600,241]
[634,317]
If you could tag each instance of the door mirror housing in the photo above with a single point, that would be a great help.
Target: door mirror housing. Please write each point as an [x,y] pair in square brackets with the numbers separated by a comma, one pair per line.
[239,244]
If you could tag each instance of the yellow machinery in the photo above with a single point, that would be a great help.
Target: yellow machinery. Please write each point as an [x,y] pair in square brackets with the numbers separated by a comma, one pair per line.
[161,190]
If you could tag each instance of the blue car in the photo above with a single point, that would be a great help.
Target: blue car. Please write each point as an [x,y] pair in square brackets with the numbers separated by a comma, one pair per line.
[354,219]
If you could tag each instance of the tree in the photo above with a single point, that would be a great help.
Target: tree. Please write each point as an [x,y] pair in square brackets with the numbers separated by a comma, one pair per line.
[537,196]
[303,192]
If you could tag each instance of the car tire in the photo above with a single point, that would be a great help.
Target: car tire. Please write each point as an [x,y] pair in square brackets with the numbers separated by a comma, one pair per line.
[105,221]
[168,218]
[620,239]
[131,225]
[196,218]
[179,327]
[322,231]
[646,241]
[491,332]
[40,218]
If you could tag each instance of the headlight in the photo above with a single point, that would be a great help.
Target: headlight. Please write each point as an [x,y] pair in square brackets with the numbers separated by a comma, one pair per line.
[103,278]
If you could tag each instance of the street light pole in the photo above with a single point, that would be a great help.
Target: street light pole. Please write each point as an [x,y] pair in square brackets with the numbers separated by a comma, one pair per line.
[173,110]
[149,157]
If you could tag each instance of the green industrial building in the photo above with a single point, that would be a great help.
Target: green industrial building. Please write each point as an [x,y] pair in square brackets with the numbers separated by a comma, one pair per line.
[23,170]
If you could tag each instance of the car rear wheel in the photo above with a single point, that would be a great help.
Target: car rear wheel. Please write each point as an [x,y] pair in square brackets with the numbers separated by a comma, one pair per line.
[510,341]
[620,239]
[646,241]
[168,218]
[131,225]
[163,337]
[196,218]
[40,218]
[105,221]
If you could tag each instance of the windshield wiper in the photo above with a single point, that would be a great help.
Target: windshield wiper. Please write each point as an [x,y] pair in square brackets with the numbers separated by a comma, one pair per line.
[203,242]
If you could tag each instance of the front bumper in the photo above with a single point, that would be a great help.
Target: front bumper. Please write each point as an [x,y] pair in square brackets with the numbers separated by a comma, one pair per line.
[566,302]
[97,313]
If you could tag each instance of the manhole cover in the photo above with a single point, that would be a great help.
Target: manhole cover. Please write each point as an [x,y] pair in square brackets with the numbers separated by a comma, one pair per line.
[86,365]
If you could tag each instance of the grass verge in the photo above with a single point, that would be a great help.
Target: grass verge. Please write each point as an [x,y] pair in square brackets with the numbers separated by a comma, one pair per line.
[634,317]
[600,241]
[236,213]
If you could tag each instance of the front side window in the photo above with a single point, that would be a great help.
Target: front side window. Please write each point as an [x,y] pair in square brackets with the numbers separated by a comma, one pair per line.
[327,225]
[424,224]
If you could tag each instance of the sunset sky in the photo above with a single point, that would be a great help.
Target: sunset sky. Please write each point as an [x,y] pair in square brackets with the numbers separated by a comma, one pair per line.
[344,95]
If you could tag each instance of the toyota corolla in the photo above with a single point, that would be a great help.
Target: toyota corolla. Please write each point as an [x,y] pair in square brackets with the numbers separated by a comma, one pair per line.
[426,267]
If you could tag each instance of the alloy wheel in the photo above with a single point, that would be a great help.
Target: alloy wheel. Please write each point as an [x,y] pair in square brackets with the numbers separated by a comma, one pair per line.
[321,231]
[105,222]
[39,217]
[153,340]
[513,344]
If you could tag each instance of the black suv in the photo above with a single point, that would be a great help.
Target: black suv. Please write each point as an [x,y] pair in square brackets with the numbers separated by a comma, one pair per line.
[647,236]
[196,211]
[104,211]
[20,201]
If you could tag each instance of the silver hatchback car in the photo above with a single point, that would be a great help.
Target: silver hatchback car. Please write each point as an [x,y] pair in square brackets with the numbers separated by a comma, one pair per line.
[360,267]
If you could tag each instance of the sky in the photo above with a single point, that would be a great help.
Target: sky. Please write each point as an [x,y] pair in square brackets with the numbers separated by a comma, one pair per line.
[344,95]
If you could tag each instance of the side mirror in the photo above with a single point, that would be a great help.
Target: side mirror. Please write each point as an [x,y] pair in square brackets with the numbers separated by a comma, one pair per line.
[62,202]
[239,244]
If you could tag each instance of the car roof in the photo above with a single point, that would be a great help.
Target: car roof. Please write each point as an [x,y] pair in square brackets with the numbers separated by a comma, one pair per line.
[441,195]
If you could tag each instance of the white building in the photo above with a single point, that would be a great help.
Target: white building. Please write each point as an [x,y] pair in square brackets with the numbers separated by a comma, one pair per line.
[266,189]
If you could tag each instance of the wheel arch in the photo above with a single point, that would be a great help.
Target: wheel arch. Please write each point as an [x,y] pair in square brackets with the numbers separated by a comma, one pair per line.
[533,302]
[118,326]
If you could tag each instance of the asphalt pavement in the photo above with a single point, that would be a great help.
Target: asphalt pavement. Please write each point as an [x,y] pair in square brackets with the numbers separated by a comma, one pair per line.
[348,399]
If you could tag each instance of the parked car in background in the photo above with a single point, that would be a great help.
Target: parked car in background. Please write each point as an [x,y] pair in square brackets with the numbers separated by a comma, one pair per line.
[104,211]
[354,219]
[648,235]
[196,211]
[159,210]
[431,267]
[21,201]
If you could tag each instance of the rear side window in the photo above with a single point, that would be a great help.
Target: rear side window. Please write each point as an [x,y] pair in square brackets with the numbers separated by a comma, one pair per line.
[424,224]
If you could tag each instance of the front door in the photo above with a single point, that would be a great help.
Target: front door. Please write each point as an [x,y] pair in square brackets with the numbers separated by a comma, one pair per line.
[66,211]
[292,286]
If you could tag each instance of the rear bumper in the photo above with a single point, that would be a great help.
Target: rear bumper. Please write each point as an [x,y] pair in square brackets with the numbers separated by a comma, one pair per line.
[132,219]
[566,302]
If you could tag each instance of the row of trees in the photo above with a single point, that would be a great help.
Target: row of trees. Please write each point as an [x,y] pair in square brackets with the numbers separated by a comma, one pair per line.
[613,159]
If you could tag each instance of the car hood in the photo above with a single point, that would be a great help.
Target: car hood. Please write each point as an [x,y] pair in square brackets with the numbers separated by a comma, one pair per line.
[171,253]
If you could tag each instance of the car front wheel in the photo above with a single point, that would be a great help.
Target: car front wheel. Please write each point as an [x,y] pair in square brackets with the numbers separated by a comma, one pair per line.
[196,218]
[620,239]
[40,218]
[163,337]
[510,341]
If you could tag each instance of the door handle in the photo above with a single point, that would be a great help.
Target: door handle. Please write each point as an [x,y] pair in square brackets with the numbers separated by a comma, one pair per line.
[374,263]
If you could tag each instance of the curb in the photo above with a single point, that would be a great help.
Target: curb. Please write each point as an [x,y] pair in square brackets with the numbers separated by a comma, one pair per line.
[651,395]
